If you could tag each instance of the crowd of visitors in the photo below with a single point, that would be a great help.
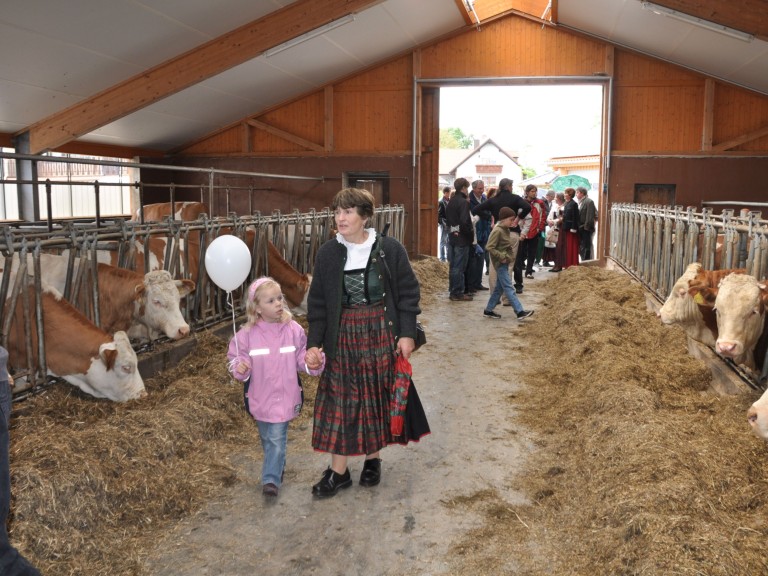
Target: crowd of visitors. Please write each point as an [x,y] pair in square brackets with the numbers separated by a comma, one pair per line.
[554,231]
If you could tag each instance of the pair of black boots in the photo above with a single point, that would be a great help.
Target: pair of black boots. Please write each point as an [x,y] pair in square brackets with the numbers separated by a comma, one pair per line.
[332,482]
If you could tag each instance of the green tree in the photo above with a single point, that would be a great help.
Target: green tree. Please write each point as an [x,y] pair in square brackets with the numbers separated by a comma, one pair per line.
[455,138]
[528,172]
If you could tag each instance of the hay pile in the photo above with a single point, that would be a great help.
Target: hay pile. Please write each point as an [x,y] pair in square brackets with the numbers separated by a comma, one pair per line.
[95,482]
[635,470]
[432,276]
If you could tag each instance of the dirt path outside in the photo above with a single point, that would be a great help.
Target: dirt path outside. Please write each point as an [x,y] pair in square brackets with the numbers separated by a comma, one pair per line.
[407,524]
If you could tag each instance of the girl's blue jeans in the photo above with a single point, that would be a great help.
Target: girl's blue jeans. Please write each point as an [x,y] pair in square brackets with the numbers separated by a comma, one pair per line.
[274,440]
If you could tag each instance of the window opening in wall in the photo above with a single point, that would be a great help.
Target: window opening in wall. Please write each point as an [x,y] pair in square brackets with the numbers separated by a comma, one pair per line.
[377,183]
[663,194]
[72,186]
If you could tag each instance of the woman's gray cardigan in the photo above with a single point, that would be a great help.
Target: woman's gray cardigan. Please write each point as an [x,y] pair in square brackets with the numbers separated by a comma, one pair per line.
[401,296]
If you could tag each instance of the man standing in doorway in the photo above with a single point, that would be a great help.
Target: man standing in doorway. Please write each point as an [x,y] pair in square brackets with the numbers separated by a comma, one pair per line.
[587,219]
[460,237]
[482,232]
[442,204]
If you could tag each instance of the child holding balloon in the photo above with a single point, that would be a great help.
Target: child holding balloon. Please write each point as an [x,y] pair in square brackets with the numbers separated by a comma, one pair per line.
[266,354]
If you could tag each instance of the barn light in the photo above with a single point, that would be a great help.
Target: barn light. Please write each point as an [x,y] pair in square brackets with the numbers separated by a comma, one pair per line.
[309,35]
[700,22]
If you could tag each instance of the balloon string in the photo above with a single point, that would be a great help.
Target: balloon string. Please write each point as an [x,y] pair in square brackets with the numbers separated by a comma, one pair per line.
[234,327]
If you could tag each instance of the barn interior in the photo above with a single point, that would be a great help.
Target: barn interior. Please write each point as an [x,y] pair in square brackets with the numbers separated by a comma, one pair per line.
[264,110]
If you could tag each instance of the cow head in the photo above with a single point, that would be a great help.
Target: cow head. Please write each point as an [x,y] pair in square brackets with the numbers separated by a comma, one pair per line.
[757,416]
[679,307]
[158,305]
[740,307]
[113,374]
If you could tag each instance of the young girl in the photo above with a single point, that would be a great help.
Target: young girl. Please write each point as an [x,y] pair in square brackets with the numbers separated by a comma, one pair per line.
[266,354]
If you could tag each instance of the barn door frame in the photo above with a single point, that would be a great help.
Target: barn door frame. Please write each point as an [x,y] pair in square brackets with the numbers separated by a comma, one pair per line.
[426,140]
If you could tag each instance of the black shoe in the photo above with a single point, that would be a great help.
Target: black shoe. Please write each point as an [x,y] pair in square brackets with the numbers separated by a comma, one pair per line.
[371,474]
[524,314]
[481,287]
[555,269]
[330,483]
[491,314]
[529,276]
[518,290]
[462,298]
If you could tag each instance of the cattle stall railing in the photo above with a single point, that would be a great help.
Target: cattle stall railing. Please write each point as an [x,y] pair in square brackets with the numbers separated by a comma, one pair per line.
[657,243]
[175,246]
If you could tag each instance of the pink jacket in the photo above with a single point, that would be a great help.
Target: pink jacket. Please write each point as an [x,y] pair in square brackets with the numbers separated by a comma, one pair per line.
[275,352]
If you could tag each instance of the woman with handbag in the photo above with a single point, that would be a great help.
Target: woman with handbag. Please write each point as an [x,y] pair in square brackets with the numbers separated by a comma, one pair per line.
[362,308]
[555,222]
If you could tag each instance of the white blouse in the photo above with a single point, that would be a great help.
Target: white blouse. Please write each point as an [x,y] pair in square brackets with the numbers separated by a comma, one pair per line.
[358,254]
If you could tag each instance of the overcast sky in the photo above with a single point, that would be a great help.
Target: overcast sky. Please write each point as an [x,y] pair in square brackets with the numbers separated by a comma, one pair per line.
[538,122]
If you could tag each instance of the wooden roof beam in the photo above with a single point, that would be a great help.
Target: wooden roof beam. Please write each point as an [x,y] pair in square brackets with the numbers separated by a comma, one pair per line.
[285,135]
[193,67]
[744,138]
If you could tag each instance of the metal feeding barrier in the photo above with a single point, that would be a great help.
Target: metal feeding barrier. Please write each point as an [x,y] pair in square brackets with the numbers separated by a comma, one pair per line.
[180,245]
[657,243]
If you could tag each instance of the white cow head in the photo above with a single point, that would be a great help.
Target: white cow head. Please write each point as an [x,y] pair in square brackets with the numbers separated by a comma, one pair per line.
[757,416]
[680,307]
[158,305]
[740,307]
[113,374]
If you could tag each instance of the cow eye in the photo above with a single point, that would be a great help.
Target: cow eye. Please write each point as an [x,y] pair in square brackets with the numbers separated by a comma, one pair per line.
[158,303]
[127,368]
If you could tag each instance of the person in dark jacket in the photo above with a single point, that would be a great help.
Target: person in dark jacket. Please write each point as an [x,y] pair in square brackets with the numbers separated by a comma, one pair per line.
[11,562]
[442,204]
[505,197]
[362,308]
[571,228]
[587,219]
[477,259]
[461,236]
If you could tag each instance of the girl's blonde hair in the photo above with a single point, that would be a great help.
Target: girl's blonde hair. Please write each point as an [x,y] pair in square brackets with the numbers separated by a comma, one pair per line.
[255,290]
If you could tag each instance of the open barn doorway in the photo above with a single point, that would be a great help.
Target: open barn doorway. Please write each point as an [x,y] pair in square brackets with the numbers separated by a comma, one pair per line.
[531,133]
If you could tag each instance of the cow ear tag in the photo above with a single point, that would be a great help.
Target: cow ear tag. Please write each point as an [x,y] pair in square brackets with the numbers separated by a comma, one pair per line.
[699,299]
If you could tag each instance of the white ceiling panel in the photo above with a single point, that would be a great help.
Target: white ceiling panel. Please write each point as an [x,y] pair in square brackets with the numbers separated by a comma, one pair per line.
[64,52]
[627,23]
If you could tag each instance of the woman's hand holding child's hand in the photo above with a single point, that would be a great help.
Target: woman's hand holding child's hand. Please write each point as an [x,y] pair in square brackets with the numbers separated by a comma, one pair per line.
[314,358]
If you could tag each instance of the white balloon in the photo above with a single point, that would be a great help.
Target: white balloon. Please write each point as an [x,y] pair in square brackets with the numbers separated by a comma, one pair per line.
[228,262]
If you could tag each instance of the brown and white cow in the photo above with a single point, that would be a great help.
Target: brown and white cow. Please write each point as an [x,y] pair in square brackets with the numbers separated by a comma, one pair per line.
[127,297]
[740,305]
[688,306]
[295,285]
[101,365]
[183,211]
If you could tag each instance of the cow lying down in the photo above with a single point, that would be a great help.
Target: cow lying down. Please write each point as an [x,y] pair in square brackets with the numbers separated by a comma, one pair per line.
[101,365]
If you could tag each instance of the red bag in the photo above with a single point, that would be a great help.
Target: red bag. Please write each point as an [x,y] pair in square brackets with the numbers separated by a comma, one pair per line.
[403,374]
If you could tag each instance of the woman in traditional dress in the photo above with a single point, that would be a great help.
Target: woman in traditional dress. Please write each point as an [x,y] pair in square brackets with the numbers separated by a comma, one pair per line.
[362,308]
[571,228]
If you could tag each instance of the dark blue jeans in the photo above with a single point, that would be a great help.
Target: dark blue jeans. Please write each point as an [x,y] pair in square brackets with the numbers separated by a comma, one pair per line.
[458,270]
[11,562]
